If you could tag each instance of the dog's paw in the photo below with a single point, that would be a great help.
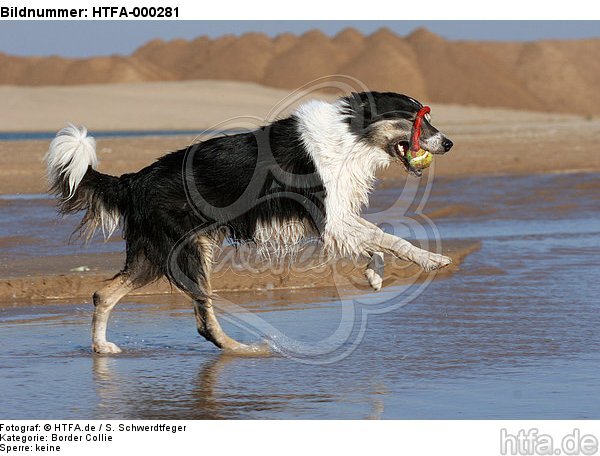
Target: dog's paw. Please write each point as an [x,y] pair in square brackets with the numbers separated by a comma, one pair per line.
[374,271]
[105,348]
[375,280]
[435,261]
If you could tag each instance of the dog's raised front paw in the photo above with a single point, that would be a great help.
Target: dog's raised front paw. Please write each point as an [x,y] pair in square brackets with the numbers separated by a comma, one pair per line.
[105,348]
[435,261]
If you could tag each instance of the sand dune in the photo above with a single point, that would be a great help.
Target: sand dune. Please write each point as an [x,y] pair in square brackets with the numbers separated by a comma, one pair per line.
[177,105]
[560,76]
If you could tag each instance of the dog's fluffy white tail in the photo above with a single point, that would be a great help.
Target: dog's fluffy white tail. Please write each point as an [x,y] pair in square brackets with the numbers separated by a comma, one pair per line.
[73,178]
[69,156]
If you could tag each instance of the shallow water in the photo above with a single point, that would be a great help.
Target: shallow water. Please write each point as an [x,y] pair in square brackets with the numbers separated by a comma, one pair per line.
[46,135]
[513,334]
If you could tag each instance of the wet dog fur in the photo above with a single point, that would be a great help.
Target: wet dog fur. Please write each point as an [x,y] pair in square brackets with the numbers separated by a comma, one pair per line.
[309,174]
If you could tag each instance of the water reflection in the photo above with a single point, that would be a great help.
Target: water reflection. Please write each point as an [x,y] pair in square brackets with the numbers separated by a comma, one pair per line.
[207,396]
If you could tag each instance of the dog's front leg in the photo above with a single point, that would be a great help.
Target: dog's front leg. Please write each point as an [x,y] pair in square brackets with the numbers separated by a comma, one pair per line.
[376,241]
[374,271]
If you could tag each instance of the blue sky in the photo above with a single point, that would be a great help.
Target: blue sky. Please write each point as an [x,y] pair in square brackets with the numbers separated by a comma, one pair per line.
[87,38]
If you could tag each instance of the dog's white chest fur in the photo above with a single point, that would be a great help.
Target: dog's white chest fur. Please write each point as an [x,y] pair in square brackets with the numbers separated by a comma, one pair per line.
[347,167]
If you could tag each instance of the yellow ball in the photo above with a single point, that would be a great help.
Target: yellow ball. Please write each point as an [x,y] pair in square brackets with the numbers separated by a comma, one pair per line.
[420,159]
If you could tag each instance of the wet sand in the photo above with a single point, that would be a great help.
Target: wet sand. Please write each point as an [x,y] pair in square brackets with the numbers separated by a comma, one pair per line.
[63,277]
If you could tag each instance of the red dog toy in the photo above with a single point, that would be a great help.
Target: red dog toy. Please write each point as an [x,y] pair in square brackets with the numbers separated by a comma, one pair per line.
[416,133]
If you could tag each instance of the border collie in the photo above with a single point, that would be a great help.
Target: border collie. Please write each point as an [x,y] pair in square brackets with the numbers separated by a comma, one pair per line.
[309,174]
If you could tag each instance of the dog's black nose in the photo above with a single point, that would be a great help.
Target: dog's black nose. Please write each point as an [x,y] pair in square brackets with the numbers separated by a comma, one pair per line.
[447,144]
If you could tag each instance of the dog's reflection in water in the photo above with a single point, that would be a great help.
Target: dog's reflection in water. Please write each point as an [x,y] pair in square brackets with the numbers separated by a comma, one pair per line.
[205,397]
[122,396]
[223,387]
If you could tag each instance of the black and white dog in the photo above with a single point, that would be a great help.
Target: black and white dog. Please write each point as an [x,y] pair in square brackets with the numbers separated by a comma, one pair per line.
[306,175]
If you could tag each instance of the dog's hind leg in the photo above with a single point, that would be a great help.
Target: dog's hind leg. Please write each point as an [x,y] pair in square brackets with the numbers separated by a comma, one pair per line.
[210,329]
[374,271]
[107,298]
[206,320]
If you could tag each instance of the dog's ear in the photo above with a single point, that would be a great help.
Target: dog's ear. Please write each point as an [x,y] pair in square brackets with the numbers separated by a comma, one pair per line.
[363,106]
[359,112]
[355,101]
[364,103]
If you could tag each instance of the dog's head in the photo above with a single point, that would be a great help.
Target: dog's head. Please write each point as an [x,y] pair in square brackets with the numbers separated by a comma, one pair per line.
[386,121]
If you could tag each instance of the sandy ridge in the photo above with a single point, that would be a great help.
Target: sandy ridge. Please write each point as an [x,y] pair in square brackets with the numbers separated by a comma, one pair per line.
[547,75]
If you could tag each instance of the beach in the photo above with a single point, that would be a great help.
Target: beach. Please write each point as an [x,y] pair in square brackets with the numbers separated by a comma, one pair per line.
[494,335]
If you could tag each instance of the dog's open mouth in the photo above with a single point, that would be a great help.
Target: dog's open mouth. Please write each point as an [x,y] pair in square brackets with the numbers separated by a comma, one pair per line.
[414,165]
